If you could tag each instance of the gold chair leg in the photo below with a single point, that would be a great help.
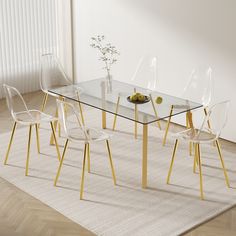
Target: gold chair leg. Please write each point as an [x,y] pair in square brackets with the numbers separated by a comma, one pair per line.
[135,123]
[10,143]
[37,137]
[115,117]
[61,162]
[172,161]
[222,163]
[155,111]
[28,151]
[83,170]
[55,140]
[111,163]
[200,171]
[88,153]
[45,98]
[167,126]
[195,162]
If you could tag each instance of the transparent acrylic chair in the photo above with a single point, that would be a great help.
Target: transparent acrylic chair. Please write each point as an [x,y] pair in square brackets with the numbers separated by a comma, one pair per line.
[53,76]
[203,135]
[199,89]
[145,76]
[75,131]
[22,115]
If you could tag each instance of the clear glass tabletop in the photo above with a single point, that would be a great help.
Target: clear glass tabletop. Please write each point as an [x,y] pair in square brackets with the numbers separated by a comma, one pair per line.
[94,93]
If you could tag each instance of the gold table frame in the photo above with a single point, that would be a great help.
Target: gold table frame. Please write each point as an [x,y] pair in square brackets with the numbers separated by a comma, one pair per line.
[187,110]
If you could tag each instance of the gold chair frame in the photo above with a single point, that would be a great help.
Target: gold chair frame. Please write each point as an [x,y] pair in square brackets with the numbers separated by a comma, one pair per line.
[29,144]
[197,161]
[86,156]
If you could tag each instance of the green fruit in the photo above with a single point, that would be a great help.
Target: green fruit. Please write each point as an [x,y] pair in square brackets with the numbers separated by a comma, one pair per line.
[141,98]
[159,100]
[134,98]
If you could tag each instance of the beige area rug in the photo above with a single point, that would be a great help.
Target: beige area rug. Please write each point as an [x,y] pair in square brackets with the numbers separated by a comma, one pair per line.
[125,209]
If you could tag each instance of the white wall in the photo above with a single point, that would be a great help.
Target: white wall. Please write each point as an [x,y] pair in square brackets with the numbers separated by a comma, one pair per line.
[181,33]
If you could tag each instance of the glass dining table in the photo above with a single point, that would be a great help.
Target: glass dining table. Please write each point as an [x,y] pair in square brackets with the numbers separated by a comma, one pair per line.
[94,93]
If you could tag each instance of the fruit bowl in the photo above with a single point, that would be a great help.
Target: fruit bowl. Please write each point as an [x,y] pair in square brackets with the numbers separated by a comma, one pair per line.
[145,100]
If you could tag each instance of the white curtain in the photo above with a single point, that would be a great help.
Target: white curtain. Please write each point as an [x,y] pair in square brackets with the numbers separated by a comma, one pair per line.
[28,29]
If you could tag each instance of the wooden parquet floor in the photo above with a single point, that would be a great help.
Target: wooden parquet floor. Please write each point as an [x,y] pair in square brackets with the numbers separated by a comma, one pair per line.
[23,215]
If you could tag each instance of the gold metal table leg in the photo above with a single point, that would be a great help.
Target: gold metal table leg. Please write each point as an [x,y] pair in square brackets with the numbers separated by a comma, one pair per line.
[55,127]
[155,111]
[45,98]
[88,153]
[135,123]
[145,153]
[59,125]
[83,170]
[28,151]
[104,120]
[167,126]
[115,117]
[195,162]
[189,124]
[222,163]
[37,137]
[55,140]
[61,162]
[172,161]
[81,110]
[111,163]
[200,171]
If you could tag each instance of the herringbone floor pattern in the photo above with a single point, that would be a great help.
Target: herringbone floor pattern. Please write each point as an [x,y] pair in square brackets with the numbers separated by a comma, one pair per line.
[23,215]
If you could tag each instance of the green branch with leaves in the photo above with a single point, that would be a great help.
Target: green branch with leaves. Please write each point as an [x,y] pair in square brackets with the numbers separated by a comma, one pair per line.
[107,51]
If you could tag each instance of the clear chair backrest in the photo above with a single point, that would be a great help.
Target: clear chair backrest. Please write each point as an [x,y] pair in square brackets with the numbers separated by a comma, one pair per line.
[217,116]
[15,101]
[200,86]
[146,73]
[69,118]
[52,74]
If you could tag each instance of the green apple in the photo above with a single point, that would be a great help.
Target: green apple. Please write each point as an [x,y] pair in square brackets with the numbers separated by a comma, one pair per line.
[159,100]
[141,98]
[134,98]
